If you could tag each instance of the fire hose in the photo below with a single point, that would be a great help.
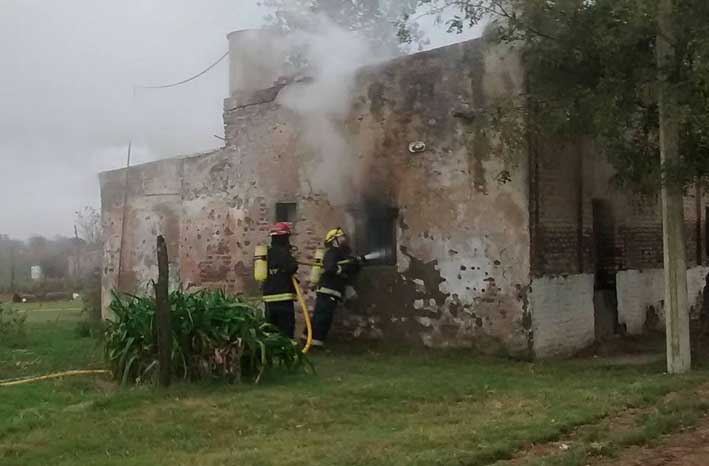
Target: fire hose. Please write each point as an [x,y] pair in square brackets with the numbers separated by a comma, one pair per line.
[9,383]
[362,259]
[306,315]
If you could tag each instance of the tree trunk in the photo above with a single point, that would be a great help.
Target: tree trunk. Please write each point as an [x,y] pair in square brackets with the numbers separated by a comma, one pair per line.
[162,317]
[675,257]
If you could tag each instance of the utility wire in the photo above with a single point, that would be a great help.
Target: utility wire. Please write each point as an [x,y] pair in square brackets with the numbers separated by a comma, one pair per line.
[184,81]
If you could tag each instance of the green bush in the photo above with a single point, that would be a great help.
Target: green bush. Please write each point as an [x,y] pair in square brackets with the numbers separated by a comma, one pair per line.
[12,327]
[214,335]
[91,296]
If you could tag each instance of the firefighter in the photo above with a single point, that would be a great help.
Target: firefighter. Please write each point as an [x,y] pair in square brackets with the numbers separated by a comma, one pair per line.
[278,290]
[339,266]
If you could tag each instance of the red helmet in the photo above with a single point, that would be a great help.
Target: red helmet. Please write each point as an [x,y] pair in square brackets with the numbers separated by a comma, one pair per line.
[280,229]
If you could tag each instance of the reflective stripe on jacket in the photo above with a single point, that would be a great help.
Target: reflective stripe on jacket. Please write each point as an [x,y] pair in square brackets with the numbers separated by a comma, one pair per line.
[329,292]
[274,298]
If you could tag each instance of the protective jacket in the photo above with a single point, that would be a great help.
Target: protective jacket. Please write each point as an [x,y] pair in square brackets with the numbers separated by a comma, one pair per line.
[338,268]
[278,286]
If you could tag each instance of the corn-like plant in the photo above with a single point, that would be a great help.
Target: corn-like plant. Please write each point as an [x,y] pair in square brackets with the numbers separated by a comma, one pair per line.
[214,336]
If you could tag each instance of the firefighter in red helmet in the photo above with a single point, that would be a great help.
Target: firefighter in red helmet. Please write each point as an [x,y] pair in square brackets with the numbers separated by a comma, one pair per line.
[278,290]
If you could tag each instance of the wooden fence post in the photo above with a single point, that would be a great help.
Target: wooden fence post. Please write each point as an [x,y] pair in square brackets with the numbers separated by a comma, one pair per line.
[162,315]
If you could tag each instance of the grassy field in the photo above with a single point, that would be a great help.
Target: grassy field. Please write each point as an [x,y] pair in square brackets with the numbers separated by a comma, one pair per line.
[48,311]
[364,407]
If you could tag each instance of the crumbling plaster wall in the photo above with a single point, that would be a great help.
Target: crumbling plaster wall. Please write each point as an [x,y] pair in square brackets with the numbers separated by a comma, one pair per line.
[463,226]
[562,314]
[463,236]
[153,207]
[641,297]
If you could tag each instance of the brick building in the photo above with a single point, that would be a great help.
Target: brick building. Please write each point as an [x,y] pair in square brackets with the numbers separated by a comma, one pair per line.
[519,248]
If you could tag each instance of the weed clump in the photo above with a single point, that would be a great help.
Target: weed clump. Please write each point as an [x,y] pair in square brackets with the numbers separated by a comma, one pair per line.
[12,327]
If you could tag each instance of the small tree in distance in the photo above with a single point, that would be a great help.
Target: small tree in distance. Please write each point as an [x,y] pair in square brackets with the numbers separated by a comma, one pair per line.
[88,223]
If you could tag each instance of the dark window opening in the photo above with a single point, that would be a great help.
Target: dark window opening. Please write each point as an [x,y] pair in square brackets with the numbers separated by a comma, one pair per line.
[286,212]
[606,259]
[376,235]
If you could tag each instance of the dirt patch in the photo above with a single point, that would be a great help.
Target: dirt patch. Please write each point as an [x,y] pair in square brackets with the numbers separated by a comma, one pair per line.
[690,448]
[672,447]
[617,425]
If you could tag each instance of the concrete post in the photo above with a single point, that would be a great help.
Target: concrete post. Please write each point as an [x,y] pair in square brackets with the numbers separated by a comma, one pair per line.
[679,357]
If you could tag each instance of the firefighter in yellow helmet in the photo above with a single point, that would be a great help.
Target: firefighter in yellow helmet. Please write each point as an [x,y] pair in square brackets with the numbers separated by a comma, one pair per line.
[339,266]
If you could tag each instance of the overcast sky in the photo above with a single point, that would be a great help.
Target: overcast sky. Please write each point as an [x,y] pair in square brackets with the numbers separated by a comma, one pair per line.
[66,106]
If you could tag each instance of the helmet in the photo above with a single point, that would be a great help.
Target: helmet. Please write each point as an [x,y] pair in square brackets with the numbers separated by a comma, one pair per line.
[334,234]
[280,229]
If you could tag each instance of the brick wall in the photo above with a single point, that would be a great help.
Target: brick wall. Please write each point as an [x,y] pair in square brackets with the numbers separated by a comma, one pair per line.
[568,179]
[562,217]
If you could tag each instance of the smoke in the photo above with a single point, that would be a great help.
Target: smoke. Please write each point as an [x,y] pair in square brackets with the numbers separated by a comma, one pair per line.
[331,57]
[67,108]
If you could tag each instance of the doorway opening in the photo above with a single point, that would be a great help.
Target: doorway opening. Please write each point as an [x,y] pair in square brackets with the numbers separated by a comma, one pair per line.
[605,298]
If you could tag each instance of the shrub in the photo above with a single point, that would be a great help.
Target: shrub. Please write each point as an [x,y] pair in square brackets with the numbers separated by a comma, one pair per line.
[12,327]
[213,336]
[91,295]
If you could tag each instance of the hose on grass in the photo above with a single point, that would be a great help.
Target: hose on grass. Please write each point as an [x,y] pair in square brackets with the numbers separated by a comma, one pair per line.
[58,375]
[306,315]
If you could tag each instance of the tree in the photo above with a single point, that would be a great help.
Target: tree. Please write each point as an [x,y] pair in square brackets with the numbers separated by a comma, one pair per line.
[624,73]
[375,19]
[592,70]
[12,264]
[51,255]
[88,223]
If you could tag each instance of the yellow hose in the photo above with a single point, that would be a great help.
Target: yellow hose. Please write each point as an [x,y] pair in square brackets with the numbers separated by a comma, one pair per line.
[306,316]
[52,376]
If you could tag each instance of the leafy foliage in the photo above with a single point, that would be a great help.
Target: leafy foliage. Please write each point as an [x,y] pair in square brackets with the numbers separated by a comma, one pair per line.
[214,336]
[592,70]
[375,19]
[88,223]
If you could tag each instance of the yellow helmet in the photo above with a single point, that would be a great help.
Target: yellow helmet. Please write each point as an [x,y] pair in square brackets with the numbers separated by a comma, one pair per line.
[334,233]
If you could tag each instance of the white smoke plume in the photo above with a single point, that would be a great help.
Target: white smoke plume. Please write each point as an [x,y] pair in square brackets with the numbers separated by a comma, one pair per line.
[333,56]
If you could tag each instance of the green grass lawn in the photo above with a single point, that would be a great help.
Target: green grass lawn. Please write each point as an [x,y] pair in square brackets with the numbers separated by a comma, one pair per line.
[48,311]
[364,407]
